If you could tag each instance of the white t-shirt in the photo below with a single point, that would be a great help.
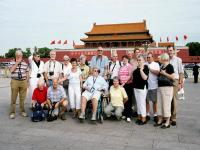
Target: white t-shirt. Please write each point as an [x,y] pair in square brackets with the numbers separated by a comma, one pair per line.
[178,67]
[55,67]
[66,68]
[74,77]
[153,79]
[114,69]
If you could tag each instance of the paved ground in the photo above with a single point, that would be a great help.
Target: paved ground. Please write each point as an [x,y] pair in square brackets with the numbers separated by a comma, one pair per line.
[22,134]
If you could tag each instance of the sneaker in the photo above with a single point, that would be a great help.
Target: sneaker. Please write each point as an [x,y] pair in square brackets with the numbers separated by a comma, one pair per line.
[123,117]
[24,114]
[182,98]
[173,123]
[12,116]
[141,123]
[82,116]
[56,112]
[128,120]
[93,117]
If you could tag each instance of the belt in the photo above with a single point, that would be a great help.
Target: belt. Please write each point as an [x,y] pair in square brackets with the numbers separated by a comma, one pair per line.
[18,79]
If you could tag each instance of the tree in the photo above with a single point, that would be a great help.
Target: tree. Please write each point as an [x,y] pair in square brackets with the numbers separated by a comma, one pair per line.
[11,53]
[2,56]
[44,52]
[194,48]
[27,53]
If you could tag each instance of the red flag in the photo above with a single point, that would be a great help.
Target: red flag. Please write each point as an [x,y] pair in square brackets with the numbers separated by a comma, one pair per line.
[176,38]
[53,42]
[65,42]
[59,42]
[74,44]
[185,37]
[160,39]
[167,39]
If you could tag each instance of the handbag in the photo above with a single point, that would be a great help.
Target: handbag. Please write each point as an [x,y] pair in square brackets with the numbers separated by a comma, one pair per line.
[66,83]
[165,81]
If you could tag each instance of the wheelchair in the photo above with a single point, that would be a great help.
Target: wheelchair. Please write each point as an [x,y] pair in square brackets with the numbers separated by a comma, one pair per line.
[102,103]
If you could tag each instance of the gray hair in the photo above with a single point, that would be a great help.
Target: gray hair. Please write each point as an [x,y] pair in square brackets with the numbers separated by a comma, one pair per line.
[40,82]
[18,52]
[116,78]
[82,56]
[55,79]
[164,56]
[141,56]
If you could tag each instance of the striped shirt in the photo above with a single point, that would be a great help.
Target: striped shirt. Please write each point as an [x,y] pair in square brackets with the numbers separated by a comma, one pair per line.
[124,73]
[20,73]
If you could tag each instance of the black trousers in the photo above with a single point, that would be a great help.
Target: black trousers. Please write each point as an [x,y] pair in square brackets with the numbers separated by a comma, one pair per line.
[195,78]
[128,111]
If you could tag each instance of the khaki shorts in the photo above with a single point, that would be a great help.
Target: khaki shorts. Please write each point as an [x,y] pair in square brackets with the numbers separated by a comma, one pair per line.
[94,95]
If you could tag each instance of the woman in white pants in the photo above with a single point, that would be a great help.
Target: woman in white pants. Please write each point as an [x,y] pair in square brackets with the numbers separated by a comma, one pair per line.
[74,89]
[140,76]
[36,72]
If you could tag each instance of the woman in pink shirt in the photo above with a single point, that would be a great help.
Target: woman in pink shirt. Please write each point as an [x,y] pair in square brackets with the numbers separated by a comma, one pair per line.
[125,75]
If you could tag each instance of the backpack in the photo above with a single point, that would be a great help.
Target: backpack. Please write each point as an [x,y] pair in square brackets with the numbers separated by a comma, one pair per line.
[50,116]
[38,114]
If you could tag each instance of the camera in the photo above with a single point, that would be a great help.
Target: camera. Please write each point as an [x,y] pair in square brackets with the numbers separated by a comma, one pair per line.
[38,75]
[51,73]
[82,70]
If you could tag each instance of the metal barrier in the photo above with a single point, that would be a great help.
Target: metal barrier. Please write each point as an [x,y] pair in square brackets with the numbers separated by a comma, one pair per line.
[4,72]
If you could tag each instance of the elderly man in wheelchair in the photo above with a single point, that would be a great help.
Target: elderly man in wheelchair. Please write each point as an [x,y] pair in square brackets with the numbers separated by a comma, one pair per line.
[93,87]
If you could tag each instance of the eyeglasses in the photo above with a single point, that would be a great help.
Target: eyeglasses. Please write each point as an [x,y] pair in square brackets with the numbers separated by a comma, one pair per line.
[96,70]
[139,60]
[148,57]
[99,50]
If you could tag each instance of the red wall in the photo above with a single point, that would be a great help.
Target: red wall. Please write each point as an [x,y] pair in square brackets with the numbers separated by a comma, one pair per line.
[183,53]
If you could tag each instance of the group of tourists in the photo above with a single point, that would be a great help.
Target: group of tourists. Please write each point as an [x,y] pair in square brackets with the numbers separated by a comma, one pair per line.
[131,84]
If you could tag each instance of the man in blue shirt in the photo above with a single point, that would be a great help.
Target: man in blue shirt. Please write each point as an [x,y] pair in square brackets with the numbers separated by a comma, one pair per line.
[100,61]
[56,94]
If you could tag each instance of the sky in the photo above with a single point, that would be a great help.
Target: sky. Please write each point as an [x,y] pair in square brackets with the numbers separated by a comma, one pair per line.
[29,23]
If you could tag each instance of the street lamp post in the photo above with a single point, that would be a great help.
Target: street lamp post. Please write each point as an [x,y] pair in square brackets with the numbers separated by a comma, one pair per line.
[146,46]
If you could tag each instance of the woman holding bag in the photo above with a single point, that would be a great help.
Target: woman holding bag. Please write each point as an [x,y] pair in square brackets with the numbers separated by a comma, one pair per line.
[165,92]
